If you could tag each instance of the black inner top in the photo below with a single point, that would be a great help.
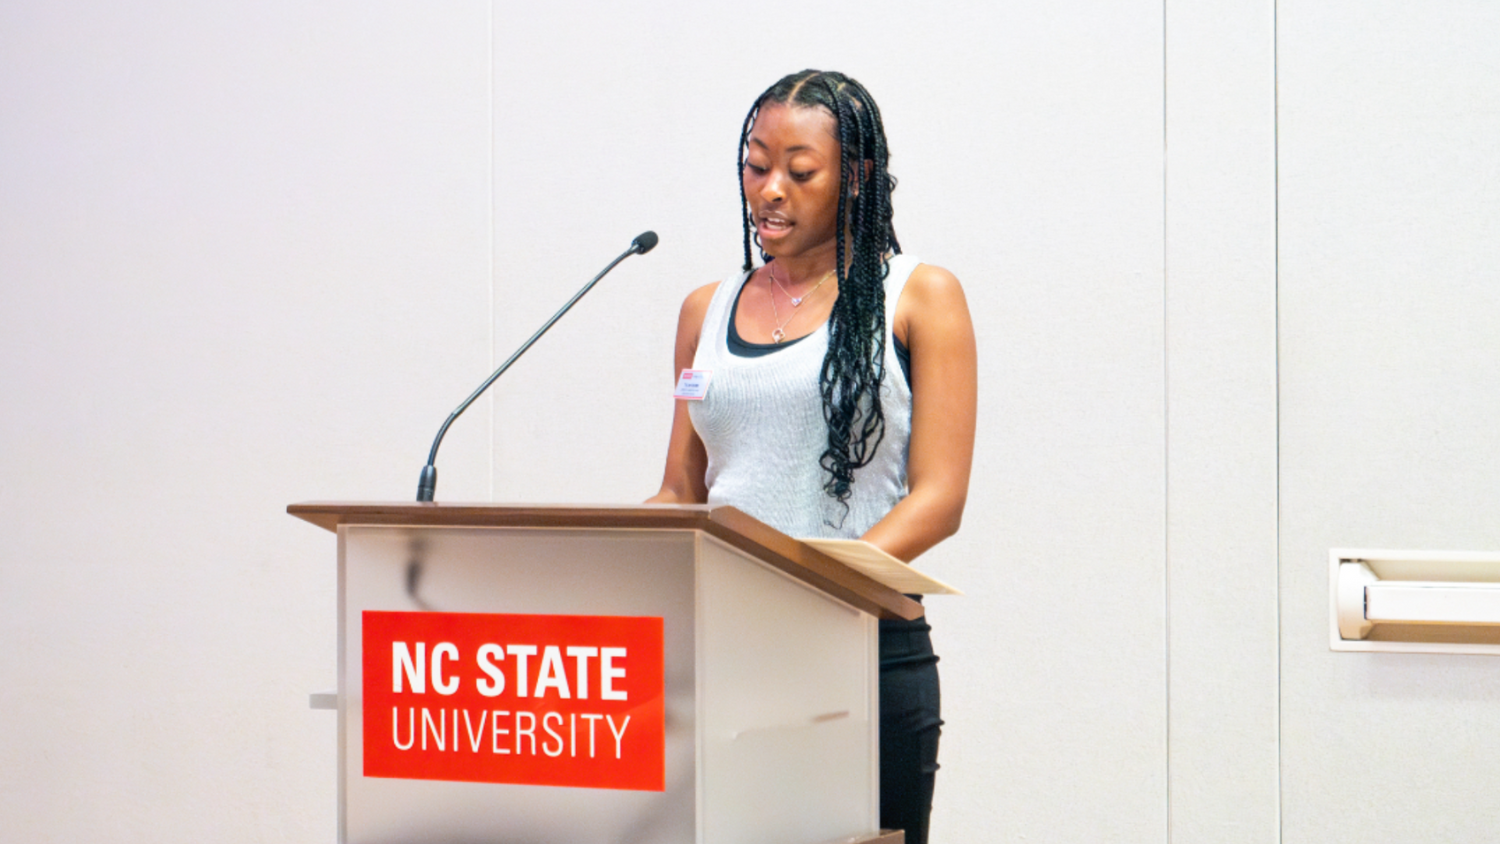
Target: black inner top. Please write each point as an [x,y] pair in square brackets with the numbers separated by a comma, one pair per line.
[741,347]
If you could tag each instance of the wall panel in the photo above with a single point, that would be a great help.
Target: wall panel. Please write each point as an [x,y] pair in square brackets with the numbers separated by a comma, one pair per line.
[1221,421]
[1390,366]
[241,249]
[1028,142]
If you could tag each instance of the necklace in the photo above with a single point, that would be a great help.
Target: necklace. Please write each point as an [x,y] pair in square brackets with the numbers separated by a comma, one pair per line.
[778,334]
[796,300]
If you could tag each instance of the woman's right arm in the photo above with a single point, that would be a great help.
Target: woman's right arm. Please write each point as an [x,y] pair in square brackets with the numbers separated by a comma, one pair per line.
[687,461]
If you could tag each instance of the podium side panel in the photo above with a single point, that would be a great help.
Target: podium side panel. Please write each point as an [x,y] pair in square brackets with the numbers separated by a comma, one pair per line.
[524,571]
[789,697]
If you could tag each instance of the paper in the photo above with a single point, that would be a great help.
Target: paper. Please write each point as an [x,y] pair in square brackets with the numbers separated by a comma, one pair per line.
[881,567]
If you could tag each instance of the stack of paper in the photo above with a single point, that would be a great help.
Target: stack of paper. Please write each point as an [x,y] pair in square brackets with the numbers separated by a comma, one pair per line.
[881,567]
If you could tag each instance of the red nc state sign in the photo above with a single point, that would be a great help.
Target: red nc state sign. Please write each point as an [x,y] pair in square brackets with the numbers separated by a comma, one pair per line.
[566,700]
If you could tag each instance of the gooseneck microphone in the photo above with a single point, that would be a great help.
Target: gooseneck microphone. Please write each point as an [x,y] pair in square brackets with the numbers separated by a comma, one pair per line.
[427,485]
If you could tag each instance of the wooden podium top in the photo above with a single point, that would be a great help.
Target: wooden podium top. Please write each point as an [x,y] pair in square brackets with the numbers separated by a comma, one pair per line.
[727,524]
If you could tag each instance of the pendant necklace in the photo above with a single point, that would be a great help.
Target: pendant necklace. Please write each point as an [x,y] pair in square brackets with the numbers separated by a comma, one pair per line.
[797,300]
[779,333]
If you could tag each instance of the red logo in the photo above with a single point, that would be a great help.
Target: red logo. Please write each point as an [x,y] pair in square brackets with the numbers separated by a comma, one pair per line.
[571,700]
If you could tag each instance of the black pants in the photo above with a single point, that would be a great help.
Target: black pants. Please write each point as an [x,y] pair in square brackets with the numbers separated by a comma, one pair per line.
[909,726]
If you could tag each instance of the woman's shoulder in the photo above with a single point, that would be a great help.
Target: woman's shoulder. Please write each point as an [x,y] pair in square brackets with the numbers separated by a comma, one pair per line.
[930,293]
[694,312]
[930,285]
[931,277]
[697,302]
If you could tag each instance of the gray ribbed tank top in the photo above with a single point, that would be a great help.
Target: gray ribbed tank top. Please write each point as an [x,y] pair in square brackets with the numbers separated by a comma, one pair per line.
[762,425]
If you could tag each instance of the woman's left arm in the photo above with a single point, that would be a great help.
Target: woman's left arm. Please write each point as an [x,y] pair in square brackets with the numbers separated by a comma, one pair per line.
[932,320]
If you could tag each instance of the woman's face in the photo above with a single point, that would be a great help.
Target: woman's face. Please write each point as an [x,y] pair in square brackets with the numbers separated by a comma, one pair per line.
[791,179]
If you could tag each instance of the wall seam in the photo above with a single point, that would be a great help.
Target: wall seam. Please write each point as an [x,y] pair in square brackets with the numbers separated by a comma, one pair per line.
[1166,394]
[490,235]
[1276,346]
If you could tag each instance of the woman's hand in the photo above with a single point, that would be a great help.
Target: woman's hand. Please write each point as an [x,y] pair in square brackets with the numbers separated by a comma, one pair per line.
[687,461]
[932,320]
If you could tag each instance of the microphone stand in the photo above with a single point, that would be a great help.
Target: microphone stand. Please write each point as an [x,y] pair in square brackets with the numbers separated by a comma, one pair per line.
[427,484]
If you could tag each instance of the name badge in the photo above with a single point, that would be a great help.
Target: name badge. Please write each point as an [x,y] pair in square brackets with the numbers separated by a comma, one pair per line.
[692,384]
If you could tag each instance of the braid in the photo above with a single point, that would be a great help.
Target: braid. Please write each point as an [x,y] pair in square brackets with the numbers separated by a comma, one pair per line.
[854,365]
[744,204]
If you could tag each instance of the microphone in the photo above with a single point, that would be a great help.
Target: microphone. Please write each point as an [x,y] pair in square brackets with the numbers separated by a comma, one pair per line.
[427,483]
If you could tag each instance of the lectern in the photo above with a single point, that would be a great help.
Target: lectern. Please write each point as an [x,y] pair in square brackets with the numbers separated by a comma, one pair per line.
[601,674]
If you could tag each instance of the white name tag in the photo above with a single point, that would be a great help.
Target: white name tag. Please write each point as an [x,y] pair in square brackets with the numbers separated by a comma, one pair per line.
[692,384]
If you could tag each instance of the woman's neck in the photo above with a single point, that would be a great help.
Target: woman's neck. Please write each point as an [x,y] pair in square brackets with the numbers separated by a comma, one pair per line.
[807,267]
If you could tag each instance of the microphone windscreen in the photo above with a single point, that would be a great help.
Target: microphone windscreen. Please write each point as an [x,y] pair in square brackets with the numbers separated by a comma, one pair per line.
[644,242]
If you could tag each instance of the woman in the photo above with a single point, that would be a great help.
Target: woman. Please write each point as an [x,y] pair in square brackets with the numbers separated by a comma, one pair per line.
[840,397]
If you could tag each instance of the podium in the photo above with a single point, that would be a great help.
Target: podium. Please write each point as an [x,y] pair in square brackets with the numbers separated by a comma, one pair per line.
[648,673]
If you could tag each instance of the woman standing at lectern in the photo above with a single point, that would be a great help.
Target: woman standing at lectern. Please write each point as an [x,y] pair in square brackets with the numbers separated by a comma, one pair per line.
[842,396]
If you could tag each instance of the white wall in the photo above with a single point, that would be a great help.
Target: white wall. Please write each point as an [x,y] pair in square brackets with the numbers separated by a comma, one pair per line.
[1390,349]
[243,261]
[1028,144]
[1221,422]
[250,256]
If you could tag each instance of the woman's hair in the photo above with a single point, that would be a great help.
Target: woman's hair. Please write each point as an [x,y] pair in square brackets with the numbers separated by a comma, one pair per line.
[855,362]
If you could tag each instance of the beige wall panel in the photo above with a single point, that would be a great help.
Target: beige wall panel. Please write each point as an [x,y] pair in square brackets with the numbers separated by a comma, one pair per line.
[1028,143]
[1390,361]
[243,261]
[1221,421]
[247,259]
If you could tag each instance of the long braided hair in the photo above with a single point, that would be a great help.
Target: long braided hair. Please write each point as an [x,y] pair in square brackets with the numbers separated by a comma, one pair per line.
[855,363]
